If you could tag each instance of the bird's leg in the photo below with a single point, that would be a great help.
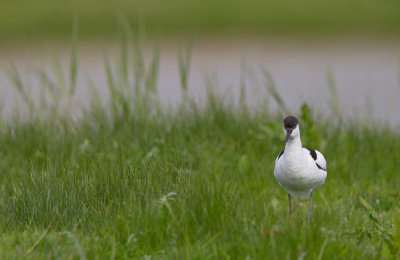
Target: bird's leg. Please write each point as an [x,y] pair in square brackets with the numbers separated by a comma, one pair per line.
[309,210]
[290,205]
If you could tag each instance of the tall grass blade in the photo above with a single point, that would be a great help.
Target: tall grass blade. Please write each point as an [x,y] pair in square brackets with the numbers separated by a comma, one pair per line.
[152,74]
[109,76]
[78,246]
[321,251]
[213,102]
[57,68]
[334,98]
[16,81]
[112,85]
[94,95]
[272,90]
[184,60]
[41,236]
[398,75]
[256,88]
[124,34]
[243,78]
[113,249]
[51,86]
[137,53]
[73,66]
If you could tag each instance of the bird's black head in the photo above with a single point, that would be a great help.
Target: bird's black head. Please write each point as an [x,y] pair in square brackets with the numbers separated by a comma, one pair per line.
[289,125]
[290,122]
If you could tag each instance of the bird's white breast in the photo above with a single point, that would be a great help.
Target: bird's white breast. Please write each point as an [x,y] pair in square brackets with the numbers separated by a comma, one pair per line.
[298,173]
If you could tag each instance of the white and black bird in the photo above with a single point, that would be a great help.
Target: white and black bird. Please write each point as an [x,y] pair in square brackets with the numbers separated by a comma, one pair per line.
[298,169]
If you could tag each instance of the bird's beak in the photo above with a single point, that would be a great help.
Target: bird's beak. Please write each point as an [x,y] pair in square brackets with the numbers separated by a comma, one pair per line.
[288,133]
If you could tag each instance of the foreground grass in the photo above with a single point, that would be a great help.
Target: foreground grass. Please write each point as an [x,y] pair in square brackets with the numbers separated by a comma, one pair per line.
[45,17]
[193,185]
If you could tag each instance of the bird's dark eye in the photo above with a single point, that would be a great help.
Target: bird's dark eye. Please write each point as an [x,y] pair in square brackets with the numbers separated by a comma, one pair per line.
[291,126]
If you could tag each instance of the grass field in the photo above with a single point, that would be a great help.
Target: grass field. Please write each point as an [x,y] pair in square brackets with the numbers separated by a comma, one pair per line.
[131,179]
[28,19]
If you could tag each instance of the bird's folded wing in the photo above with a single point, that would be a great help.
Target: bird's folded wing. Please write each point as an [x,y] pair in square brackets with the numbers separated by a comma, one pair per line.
[318,158]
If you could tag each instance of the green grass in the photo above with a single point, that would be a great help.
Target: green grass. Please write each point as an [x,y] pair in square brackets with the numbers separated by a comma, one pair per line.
[28,19]
[195,185]
[134,179]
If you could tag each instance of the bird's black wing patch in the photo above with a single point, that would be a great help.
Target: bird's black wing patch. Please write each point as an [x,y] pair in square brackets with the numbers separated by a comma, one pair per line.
[280,154]
[319,167]
[312,153]
[314,156]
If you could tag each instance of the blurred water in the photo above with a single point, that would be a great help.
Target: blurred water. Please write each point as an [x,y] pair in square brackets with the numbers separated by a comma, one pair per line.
[366,71]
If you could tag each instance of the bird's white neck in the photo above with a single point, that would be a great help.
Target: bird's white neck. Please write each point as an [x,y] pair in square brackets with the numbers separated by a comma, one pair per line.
[293,145]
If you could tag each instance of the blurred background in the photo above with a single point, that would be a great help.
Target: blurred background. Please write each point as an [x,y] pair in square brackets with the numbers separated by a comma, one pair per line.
[342,54]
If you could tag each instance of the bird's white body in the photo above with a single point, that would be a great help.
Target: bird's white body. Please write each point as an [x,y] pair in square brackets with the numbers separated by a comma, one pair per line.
[299,170]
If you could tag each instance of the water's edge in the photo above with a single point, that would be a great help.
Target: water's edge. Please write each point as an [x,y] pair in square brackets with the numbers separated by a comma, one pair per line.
[366,73]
